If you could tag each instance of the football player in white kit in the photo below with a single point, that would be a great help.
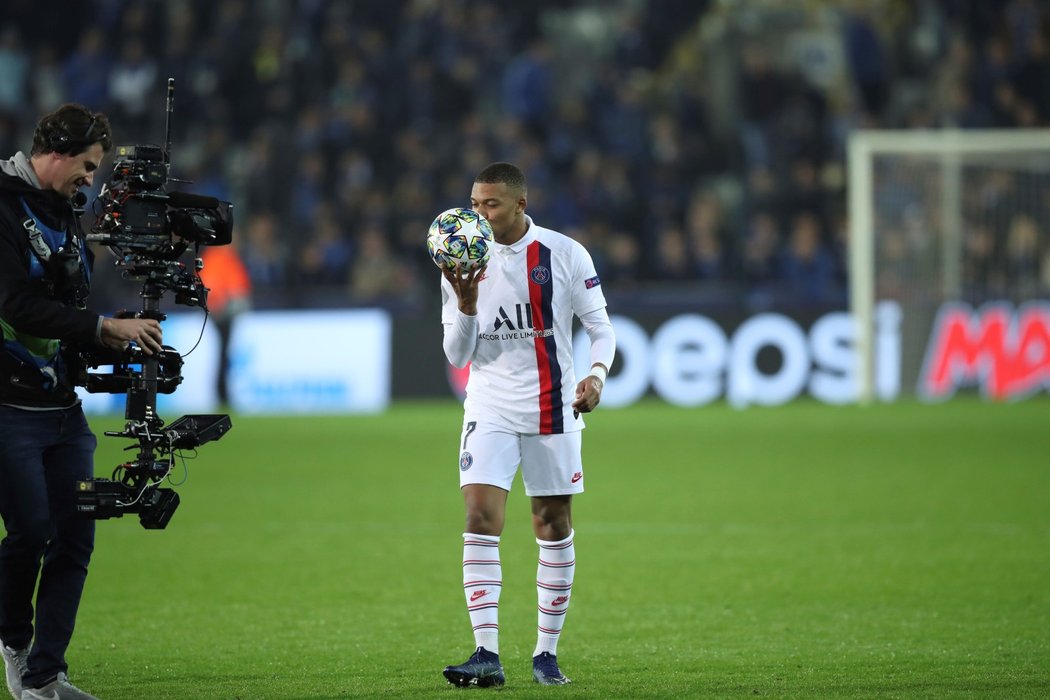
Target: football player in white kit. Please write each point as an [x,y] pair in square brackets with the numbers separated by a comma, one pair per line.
[512,321]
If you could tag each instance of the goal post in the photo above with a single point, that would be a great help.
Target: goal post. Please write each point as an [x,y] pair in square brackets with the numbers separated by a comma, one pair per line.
[921,232]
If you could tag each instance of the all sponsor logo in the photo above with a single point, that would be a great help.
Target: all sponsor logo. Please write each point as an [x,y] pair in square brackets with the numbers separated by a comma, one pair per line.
[516,324]
[560,600]
[577,476]
[522,313]
[478,594]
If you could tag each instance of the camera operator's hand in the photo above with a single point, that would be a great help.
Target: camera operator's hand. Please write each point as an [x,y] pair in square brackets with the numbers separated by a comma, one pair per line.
[145,332]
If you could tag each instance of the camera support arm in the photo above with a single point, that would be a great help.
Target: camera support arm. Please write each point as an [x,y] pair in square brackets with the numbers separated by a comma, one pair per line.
[142,399]
[148,229]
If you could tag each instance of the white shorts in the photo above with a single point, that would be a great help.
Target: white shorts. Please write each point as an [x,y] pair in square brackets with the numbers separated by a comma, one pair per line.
[551,465]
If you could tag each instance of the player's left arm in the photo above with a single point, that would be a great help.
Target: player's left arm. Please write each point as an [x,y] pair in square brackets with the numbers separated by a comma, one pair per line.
[588,303]
[603,348]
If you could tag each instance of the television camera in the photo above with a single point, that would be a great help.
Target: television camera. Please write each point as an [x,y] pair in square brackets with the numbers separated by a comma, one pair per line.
[148,229]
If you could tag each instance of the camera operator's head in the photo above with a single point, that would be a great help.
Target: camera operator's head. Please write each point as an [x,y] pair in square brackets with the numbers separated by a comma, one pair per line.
[68,146]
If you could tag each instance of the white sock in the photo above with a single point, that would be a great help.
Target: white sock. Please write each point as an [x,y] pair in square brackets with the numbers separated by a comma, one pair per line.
[554,576]
[482,583]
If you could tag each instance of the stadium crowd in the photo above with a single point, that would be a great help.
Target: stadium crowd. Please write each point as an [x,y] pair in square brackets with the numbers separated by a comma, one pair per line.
[689,144]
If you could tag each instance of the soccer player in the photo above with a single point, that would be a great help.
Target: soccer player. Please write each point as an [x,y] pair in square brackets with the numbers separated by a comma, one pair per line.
[512,321]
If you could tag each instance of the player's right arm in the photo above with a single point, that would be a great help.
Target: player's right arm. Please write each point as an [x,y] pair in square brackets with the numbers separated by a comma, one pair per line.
[460,323]
[465,285]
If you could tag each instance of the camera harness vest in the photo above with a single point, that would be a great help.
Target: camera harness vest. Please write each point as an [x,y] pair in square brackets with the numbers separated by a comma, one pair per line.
[69,272]
[58,259]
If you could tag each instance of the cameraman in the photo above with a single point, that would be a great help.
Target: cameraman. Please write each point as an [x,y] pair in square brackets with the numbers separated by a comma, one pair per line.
[45,443]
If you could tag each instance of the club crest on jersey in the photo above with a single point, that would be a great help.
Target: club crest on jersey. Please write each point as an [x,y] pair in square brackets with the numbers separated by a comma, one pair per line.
[465,461]
[540,274]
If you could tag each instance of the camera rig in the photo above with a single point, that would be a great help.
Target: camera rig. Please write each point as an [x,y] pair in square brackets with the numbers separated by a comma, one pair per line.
[148,229]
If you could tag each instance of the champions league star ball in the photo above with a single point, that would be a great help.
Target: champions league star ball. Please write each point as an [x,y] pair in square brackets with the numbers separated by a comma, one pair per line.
[459,236]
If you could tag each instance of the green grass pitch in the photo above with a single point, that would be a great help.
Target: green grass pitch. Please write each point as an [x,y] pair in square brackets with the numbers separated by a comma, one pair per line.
[801,551]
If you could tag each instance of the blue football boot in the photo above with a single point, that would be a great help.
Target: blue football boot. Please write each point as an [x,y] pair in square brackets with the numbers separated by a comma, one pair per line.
[482,669]
[545,670]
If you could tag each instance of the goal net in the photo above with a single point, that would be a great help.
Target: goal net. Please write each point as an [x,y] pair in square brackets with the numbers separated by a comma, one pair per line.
[949,262]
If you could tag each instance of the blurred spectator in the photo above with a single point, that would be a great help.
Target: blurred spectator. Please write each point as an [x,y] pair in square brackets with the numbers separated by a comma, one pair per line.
[46,84]
[309,185]
[229,294]
[978,262]
[952,93]
[897,268]
[86,71]
[377,274]
[201,164]
[623,120]
[705,231]
[264,252]
[569,135]
[1023,257]
[758,260]
[622,261]
[374,111]
[527,86]
[708,256]
[803,192]
[266,186]
[325,259]
[761,93]
[672,256]
[14,66]
[132,82]
[805,264]
[868,62]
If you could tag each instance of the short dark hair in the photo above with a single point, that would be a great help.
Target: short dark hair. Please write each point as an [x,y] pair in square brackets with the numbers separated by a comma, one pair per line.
[71,129]
[505,174]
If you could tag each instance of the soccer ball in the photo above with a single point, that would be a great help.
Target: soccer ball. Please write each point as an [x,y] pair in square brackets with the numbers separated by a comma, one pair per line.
[459,236]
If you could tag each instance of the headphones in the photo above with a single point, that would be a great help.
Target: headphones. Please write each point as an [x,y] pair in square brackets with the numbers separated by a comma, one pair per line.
[65,142]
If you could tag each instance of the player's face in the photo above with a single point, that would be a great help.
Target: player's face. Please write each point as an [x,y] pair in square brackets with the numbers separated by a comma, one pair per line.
[73,172]
[503,207]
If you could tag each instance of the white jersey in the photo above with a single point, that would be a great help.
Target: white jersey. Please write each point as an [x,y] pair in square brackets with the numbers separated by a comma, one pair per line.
[521,372]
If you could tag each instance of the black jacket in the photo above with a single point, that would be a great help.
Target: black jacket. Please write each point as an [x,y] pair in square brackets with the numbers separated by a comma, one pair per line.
[26,306]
